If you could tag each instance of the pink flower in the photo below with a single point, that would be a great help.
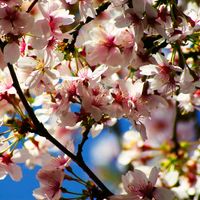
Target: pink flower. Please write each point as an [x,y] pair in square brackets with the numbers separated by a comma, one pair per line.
[56,17]
[13,21]
[57,163]
[38,72]
[50,184]
[86,74]
[95,99]
[8,162]
[106,44]
[128,99]
[138,187]
[7,166]
[164,74]
[46,31]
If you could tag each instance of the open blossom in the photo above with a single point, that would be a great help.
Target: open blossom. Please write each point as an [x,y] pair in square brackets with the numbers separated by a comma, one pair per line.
[37,148]
[38,72]
[46,31]
[50,184]
[164,74]
[8,161]
[106,44]
[95,99]
[86,74]
[128,99]
[57,163]
[14,21]
[138,187]
[7,91]
[56,17]
[7,166]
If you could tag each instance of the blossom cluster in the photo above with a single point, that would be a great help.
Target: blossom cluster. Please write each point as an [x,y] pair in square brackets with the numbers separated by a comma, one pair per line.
[82,66]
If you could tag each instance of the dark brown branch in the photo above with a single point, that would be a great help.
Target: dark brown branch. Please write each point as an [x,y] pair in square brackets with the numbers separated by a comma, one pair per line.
[42,131]
[84,139]
[174,137]
[31,6]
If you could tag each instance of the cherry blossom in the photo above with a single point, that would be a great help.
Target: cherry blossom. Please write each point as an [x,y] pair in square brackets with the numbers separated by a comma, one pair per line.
[8,162]
[14,22]
[36,71]
[107,45]
[164,76]
[50,184]
[138,186]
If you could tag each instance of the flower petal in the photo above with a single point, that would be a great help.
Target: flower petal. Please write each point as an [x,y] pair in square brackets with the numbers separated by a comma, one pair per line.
[15,172]
[11,53]
[163,193]
[154,175]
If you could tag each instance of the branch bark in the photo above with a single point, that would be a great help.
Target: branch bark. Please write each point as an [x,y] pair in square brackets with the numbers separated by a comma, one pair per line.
[84,139]
[31,6]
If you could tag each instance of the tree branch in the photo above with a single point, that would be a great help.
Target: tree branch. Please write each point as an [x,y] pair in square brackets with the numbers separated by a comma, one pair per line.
[31,6]
[174,137]
[84,139]
[42,131]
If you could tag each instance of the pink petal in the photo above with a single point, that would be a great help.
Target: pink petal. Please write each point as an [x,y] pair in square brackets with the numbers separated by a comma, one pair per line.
[50,177]
[163,194]
[11,53]
[154,175]
[134,179]
[15,172]
[142,130]
[3,172]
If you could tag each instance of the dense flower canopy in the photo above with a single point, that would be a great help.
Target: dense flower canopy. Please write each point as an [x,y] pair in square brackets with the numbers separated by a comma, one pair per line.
[76,67]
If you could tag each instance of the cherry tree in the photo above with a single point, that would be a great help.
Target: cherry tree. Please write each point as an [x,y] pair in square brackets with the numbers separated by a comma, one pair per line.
[76,67]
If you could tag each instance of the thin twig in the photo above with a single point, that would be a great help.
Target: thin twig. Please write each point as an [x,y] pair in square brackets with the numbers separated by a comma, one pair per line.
[31,6]
[84,139]
[42,131]
[174,137]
